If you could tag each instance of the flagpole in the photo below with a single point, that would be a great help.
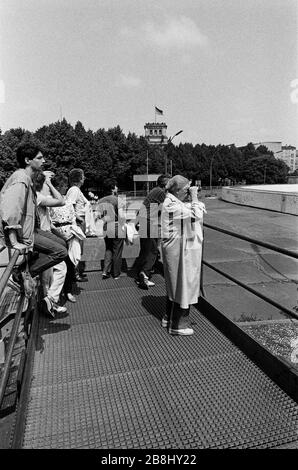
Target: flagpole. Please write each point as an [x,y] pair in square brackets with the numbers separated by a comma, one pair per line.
[155,113]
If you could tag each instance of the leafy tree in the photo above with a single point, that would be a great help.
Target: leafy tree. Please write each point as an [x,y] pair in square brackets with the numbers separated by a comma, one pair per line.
[61,147]
[7,161]
[109,155]
[263,150]
[265,169]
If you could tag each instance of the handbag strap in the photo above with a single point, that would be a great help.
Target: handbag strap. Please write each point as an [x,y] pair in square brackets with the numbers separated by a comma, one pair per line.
[26,254]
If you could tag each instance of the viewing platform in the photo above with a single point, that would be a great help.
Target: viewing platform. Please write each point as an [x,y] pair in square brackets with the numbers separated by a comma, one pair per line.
[109,376]
[106,375]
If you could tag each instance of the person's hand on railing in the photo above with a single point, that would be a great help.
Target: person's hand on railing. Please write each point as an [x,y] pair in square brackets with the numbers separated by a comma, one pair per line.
[19,246]
[13,238]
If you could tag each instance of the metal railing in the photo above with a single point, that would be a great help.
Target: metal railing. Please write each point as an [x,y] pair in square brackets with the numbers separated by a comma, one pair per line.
[270,246]
[15,326]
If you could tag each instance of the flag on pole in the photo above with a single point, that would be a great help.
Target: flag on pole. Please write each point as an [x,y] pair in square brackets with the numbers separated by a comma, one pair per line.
[158,111]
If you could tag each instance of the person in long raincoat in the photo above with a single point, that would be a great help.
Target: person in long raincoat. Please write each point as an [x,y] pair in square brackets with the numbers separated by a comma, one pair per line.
[182,236]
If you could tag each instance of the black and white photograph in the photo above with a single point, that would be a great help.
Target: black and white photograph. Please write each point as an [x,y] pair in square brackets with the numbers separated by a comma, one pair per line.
[149,230]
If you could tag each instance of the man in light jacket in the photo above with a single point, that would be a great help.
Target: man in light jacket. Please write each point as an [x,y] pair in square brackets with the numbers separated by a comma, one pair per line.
[19,227]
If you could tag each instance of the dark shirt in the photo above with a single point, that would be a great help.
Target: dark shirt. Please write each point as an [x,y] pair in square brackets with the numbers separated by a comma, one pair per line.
[156,196]
[108,205]
[148,217]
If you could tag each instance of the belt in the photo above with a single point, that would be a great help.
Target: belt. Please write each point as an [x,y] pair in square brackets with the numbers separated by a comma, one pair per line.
[60,224]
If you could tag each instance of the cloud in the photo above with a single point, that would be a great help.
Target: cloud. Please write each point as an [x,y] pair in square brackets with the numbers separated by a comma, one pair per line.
[172,33]
[128,81]
[178,33]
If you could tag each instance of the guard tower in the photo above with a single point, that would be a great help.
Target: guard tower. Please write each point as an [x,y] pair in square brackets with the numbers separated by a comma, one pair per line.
[156,133]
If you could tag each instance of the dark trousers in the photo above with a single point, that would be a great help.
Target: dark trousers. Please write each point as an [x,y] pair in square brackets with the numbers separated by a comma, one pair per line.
[70,276]
[113,256]
[48,251]
[147,256]
[81,266]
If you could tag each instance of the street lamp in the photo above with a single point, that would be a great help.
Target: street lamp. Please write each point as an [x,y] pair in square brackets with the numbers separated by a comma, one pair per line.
[210,175]
[147,170]
[265,167]
[166,155]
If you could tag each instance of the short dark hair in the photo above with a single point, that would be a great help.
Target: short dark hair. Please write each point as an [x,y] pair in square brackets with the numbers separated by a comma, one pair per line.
[75,175]
[38,179]
[27,150]
[110,186]
[162,180]
[58,180]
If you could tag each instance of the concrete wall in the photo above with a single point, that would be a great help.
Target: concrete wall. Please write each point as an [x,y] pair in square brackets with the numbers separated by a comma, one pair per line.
[272,197]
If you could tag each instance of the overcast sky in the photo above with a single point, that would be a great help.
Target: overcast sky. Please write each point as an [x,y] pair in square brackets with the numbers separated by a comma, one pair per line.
[221,70]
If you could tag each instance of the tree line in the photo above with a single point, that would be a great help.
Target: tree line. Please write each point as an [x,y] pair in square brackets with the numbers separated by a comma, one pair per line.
[111,156]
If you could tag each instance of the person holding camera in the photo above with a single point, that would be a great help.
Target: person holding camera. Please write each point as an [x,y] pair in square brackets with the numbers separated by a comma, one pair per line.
[182,236]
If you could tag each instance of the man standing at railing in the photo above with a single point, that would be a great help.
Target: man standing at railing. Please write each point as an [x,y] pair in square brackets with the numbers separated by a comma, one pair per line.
[19,228]
[148,219]
[111,211]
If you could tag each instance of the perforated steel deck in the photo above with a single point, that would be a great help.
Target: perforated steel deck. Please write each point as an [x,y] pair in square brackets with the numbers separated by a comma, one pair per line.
[108,376]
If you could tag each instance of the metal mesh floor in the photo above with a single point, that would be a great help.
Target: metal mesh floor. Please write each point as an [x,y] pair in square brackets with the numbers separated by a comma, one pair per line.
[108,376]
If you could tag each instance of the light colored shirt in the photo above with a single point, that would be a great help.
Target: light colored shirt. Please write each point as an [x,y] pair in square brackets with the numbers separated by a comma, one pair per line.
[64,220]
[63,214]
[17,208]
[77,198]
[43,211]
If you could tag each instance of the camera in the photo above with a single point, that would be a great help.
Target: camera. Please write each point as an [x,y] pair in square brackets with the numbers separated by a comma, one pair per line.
[197,183]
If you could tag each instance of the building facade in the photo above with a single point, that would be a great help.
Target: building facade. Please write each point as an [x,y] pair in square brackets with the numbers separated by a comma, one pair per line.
[156,133]
[286,153]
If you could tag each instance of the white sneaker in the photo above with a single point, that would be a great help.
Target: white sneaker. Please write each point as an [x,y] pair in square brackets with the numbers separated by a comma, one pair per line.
[144,282]
[181,331]
[71,297]
[59,309]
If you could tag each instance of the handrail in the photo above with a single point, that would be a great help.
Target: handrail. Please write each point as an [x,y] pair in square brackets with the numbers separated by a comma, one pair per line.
[12,340]
[253,291]
[283,251]
[272,247]
[16,323]
[8,270]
